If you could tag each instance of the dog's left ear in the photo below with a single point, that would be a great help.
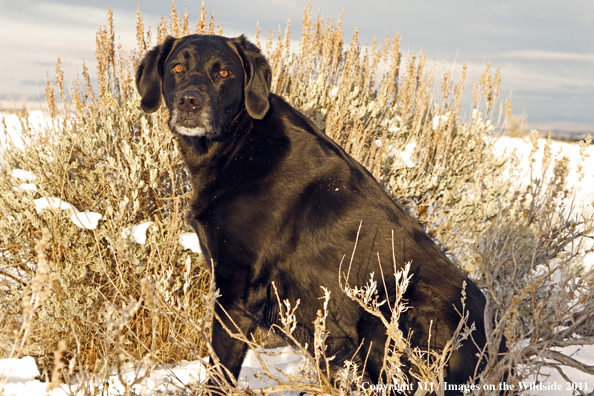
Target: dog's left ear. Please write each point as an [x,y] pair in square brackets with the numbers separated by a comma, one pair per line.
[257,77]
[149,75]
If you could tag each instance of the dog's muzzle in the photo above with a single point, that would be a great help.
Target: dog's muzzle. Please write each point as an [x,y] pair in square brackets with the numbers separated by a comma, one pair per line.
[188,117]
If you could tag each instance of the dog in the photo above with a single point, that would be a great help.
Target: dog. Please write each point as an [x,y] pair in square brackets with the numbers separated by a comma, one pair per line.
[276,200]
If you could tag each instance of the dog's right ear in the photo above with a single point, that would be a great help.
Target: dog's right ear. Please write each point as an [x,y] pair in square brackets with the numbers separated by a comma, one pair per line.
[149,75]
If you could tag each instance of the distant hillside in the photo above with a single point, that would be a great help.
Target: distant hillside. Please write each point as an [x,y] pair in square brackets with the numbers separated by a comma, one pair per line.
[563,130]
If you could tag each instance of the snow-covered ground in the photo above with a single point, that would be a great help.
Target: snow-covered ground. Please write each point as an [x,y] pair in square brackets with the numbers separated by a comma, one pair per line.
[20,376]
[17,376]
[13,126]
[583,200]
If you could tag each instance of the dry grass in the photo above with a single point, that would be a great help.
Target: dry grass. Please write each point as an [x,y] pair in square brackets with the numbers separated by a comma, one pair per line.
[88,300]
[516,127]
[101,154]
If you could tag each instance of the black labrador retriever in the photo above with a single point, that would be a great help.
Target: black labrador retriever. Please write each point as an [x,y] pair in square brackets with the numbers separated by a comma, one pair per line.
[276,200]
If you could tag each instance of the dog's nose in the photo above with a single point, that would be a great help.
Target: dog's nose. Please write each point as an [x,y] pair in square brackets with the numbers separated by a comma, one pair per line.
[189,100]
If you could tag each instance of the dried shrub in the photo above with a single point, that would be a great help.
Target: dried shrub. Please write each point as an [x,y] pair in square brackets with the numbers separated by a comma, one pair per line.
[101,155]
[540,296]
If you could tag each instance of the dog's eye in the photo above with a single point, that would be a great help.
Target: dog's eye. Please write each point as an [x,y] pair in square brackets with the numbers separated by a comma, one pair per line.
[224,73]
[178,68]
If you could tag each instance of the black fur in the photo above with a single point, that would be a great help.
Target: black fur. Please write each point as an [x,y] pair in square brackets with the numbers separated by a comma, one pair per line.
[276,200]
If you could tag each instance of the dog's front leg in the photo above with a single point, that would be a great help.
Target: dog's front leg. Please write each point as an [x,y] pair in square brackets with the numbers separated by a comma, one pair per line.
[229,349]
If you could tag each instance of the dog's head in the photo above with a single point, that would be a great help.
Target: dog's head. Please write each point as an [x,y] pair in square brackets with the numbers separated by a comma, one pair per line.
[205,80]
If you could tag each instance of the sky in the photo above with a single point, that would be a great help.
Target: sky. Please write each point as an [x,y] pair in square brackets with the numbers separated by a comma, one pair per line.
[545,48]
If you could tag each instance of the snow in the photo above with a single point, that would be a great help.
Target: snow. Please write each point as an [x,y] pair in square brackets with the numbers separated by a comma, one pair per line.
[406,155]
[19,370]
[17,376]
[23,175]
[189,241]
[137,233]
[162,379]
[279,360]
[86,219]
[583,200]
[439,120]
[26,187]
[13,127]
[585,192]
[580,380]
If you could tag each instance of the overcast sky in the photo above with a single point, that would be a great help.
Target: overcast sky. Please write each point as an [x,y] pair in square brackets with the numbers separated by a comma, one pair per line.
[545,48]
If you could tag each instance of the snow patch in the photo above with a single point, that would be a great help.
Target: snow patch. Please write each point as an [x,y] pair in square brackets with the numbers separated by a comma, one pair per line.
[137,233]
[25,187]
[189,240]
[280,361]
[439,120]
[19,375]
[88,220]
[18,370]
[23,175]
[406,155]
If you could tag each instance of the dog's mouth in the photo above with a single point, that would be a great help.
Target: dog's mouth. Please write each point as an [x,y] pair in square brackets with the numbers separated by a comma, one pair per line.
[189,124]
